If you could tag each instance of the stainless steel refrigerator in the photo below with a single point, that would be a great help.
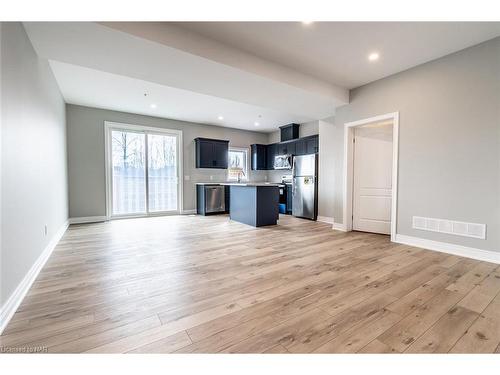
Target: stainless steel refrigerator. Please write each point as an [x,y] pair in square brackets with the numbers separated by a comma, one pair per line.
[305,186]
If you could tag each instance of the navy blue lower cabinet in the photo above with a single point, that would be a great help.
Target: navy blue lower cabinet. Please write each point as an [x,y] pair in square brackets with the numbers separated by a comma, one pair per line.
[289,199]
[254,205]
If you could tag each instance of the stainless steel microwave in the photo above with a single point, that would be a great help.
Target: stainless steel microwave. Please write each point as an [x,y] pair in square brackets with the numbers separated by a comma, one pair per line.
[283,161]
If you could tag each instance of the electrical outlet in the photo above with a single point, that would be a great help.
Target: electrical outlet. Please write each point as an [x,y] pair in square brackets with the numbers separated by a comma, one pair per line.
[211,178]
[45,229]
[187,178]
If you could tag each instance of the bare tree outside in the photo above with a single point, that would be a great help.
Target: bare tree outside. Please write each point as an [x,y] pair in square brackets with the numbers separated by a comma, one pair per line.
[129,172]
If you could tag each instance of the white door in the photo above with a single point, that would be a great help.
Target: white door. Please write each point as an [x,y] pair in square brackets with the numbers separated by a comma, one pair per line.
[143,172]
[372,185]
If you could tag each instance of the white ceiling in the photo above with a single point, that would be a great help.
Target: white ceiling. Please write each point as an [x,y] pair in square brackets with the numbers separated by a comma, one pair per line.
[95,88]
[119,67]
[337,51]
[273,73]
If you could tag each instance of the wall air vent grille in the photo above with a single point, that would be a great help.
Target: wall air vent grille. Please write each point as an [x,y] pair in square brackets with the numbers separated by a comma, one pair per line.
[458,228]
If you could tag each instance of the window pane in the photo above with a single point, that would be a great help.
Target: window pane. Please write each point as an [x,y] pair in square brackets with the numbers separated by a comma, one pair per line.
[236,159]
[162,172]
[237,164]
[129,187]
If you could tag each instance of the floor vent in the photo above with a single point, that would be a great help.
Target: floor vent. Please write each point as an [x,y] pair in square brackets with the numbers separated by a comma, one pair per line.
[458,228]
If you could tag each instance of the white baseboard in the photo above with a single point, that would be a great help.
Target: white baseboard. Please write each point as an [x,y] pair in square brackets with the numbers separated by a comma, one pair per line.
[341,227]
[325,219]
[444,247]
[87,219]
[188,212]
[10,307]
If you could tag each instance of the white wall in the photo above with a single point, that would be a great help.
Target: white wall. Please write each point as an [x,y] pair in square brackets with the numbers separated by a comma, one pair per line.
[33,157]
[449,141]
[327,132]
[87,187]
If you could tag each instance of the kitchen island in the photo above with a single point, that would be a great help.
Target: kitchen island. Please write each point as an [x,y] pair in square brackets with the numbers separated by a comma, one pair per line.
[254,204]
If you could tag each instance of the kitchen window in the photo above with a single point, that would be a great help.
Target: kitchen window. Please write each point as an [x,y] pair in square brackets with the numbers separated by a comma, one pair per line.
[238,163]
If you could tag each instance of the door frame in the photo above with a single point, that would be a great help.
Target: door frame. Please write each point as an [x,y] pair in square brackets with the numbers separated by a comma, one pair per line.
[348,174]
[110,125]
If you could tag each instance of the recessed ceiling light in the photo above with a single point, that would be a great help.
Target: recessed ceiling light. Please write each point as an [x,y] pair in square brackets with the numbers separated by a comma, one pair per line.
[153,106]
[307,22]
[256,123]
[220,118]
[373,56]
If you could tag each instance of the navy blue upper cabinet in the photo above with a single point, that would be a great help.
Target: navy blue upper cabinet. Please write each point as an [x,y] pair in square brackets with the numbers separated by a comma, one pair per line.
[221,154]
[286,148]
[211,153]
[263,156]
[280,149]
[271,153]
[306,145]
[259,157]
[289,132]
[289,148]
[300,147]
[204,153]
[312,144]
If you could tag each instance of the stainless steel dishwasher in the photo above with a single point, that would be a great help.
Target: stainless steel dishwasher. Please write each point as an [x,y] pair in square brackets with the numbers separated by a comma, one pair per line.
[215,200]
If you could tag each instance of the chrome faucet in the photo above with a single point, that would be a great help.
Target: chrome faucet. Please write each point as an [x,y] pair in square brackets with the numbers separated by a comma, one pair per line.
[239,176]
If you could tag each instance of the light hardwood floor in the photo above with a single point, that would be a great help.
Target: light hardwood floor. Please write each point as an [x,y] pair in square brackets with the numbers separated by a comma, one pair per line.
[188,284]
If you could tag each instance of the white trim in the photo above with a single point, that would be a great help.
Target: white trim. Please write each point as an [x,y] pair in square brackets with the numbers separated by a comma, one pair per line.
[108,125]
[188,212]
[87,219]
[348,168]
[339,226]
[449,248]
[325,219]
[15,299]
[107,169]
[144,216]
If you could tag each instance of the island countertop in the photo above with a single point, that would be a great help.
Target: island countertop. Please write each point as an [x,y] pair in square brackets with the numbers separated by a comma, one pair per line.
[250,184]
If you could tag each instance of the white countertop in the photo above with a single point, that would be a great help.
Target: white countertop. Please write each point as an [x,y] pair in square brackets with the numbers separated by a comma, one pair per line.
[250,184]
[241,183]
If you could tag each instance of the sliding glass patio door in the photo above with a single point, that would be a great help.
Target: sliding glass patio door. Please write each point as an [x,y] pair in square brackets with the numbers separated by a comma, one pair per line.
[162,172]
[143,171]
